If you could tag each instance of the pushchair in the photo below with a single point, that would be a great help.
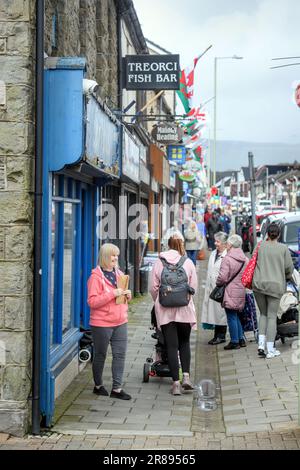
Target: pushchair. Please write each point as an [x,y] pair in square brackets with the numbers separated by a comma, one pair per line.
[248,317]
[288,315]
[158,367]
[86,349]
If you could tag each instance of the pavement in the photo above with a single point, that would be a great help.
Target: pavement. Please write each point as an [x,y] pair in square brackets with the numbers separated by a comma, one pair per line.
[257,400]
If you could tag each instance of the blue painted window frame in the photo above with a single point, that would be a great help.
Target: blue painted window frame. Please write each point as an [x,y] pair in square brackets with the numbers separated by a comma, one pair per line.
[65,197]
[87,246]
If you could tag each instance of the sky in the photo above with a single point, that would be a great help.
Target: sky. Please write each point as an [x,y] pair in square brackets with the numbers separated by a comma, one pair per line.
[254,103]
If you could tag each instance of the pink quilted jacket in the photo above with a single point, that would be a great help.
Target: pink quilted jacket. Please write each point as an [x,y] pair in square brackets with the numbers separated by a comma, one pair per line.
[234,297]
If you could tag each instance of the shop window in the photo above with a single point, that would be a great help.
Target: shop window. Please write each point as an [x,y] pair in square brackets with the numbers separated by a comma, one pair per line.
[68,262]
[63,255]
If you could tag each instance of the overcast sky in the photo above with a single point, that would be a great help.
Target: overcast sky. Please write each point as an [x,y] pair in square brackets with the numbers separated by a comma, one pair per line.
[254,103]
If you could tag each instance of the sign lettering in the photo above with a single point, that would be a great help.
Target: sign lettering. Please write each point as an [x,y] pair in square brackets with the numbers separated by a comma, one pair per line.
[150,72]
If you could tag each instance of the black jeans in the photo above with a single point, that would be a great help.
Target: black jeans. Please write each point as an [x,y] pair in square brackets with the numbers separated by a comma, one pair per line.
[177,338]
[220,331]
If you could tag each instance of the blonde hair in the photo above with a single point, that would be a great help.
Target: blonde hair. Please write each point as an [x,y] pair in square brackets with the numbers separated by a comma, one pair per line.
[106,251]
[193,225]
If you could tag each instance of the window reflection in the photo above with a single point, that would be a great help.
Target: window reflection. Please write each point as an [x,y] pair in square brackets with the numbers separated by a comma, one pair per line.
[62,266]
[69,245]
[53,232]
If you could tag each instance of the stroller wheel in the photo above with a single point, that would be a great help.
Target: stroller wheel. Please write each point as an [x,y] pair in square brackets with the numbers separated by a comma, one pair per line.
[146,372]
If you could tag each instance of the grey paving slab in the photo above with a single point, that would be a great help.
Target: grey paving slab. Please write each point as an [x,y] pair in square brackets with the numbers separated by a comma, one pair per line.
[257,395]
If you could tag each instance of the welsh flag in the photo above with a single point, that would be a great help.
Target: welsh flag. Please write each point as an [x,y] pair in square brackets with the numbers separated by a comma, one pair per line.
[198,154]
[198,114]
[186,90]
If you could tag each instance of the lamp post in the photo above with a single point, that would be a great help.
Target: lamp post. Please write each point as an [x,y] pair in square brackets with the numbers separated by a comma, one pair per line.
[215,112]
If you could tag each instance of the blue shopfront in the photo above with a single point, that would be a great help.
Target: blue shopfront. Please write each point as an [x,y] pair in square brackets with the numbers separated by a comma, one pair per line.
[81,166]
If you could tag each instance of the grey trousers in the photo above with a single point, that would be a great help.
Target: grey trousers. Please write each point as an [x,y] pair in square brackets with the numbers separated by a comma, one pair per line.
[117,337]
[268,307]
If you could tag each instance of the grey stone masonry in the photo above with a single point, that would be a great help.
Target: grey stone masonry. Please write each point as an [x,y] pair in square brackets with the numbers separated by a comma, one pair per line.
[86,28]
[17,43]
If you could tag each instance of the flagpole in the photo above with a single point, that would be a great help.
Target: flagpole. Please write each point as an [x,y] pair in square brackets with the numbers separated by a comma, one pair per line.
[215,123]
[209,47]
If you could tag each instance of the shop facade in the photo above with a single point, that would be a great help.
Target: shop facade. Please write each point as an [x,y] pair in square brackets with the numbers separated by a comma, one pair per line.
[81,171]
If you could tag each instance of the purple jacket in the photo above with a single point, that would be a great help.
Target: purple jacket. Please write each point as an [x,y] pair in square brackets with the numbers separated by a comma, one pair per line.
[234,297]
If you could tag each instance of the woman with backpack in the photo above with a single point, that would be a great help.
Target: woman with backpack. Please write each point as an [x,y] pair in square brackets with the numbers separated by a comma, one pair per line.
[173,282]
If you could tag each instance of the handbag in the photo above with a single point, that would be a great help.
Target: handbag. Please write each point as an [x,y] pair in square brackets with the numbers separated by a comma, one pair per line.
[217,294]
[201,255]
[248,274]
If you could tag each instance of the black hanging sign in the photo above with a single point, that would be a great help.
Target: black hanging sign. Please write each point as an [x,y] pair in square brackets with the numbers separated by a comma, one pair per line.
[151,72]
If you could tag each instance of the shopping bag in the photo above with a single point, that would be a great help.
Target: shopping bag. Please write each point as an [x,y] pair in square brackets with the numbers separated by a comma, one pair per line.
[122,283]
[248,273]
[201,255]
[248,316]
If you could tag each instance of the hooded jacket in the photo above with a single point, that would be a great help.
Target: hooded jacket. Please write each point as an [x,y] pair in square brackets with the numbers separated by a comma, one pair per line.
[193,240]
[234,297]
[102,302]
[175,314]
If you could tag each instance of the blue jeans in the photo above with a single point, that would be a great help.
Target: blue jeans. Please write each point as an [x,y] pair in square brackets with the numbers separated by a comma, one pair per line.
[192,254]
[234,325]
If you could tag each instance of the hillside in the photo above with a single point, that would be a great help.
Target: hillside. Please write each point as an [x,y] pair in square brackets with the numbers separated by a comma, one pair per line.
[231,155]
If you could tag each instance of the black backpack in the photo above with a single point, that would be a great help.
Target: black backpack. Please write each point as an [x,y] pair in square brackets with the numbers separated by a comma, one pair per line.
[174,290]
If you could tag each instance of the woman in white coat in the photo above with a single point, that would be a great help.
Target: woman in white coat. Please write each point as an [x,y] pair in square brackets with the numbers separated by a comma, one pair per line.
[213,315]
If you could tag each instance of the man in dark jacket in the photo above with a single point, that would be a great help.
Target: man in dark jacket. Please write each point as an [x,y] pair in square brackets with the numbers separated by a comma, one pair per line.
[213,226]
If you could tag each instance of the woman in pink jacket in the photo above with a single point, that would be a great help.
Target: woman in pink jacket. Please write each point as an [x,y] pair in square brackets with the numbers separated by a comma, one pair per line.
[176,322]
[231,270]
[108,320]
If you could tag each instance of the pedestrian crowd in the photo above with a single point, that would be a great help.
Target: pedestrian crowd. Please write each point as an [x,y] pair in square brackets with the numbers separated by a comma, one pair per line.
[232,284]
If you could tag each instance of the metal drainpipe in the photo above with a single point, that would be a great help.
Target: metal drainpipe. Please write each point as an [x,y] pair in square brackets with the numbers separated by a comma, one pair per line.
[36,340]
[123,243]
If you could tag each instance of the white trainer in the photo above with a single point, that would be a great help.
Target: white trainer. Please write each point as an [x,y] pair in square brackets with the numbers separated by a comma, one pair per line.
[176,389]
[274,353]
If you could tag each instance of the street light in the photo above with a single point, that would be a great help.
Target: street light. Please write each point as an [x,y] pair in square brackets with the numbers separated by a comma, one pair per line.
[215,110]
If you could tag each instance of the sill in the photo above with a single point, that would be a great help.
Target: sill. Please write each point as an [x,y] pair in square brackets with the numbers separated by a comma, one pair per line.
[59,351]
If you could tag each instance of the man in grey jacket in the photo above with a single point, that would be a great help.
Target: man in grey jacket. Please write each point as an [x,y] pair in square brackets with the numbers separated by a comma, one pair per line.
[274,267]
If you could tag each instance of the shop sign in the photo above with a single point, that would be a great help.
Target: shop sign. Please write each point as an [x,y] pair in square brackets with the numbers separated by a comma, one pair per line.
[187,176]
[172,179]
[102,139]
[131,158]
[167,133]
[176,154]
[154,186]
[151,72]
[144,173]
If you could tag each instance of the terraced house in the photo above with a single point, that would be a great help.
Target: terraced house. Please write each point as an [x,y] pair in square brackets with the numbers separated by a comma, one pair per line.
[65,150]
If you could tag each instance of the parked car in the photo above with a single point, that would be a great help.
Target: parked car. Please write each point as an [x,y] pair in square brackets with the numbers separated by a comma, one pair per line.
[260,217]
[289,228]
[267,221]
[263,204]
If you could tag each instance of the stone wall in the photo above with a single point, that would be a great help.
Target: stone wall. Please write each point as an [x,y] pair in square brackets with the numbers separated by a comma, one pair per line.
[107,52]
[86,28]
[16,211]
[88,35]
